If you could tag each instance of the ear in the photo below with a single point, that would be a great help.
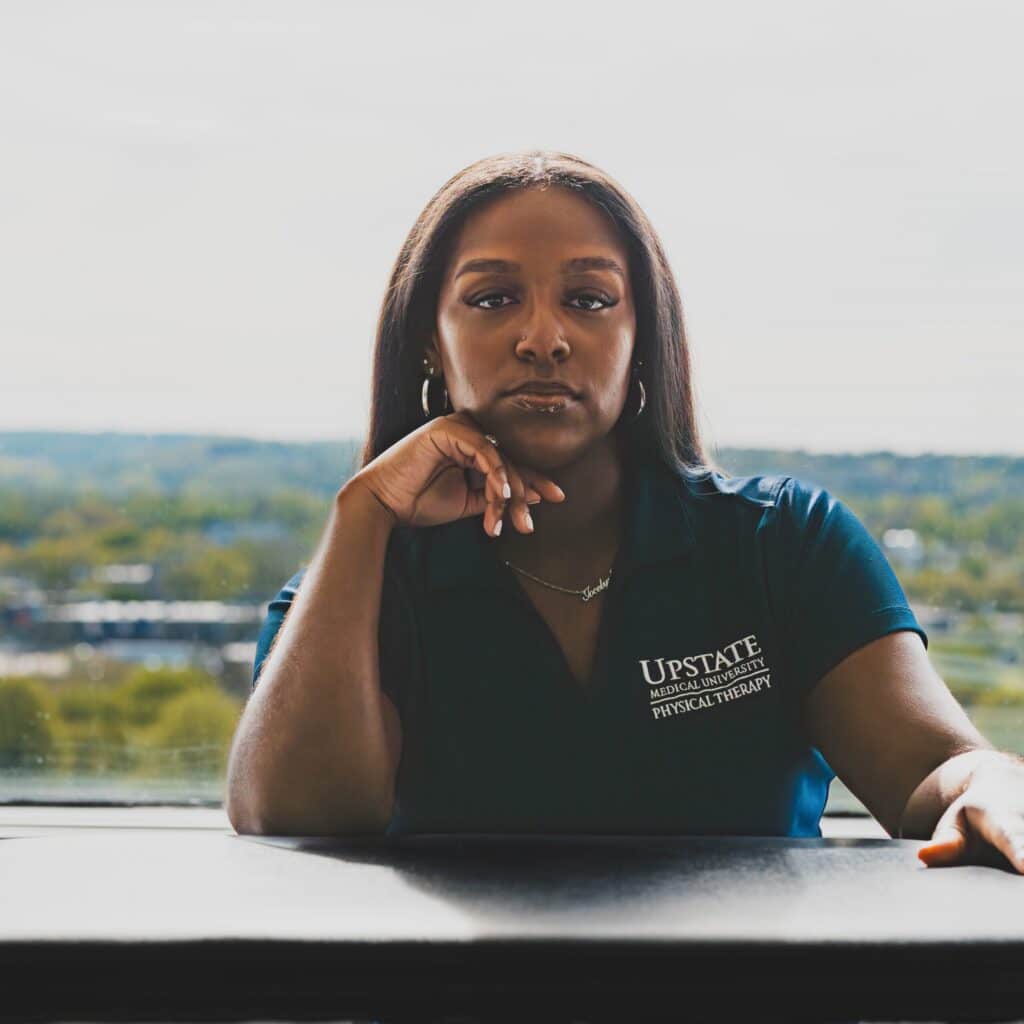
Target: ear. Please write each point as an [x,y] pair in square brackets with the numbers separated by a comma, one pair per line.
[431,352]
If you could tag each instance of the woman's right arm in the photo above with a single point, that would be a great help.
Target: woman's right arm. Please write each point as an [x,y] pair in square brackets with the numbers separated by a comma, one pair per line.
[317,746]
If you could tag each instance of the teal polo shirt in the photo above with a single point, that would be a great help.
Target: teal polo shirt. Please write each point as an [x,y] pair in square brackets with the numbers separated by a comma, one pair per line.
[730,598]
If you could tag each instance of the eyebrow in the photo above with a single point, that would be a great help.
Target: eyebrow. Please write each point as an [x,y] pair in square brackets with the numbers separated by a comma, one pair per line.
[480,266]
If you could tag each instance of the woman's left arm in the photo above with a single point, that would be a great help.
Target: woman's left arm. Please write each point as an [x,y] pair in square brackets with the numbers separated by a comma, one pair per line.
[889,727]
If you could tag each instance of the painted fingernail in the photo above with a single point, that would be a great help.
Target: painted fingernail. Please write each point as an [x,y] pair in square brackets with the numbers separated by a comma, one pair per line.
[497,528]
[506,491]
[529,521]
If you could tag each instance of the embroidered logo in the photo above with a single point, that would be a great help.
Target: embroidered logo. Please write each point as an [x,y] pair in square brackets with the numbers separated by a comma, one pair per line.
[706,680]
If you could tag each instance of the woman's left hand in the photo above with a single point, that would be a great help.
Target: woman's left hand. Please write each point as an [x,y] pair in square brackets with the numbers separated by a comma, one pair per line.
[985,823]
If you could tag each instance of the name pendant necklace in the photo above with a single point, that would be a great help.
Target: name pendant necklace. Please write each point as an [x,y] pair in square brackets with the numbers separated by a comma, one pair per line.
[585,594]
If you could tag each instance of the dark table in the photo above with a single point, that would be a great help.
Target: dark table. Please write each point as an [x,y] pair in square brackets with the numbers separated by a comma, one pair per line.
[194,925]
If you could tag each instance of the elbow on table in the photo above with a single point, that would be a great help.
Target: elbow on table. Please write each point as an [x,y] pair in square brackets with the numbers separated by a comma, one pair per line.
[293,820]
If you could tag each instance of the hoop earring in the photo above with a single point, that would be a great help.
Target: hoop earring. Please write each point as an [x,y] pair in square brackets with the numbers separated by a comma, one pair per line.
[425,392]
[643,392]
[643,399]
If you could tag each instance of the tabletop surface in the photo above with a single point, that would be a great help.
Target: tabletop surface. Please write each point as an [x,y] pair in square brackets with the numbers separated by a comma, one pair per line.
[152,914]
[200,883]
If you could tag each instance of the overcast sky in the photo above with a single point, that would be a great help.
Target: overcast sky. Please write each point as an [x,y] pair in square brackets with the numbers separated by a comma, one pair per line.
[201,201]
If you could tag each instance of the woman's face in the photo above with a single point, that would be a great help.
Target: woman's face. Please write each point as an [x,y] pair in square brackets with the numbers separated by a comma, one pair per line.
[537,318]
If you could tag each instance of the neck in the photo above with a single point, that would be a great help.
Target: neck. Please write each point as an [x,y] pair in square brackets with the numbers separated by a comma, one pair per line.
[577,536]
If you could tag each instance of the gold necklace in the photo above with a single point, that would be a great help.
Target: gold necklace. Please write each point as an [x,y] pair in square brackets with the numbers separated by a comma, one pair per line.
[584,595]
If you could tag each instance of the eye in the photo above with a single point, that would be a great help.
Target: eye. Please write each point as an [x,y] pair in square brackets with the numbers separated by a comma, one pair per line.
[487,298]
[605,303]
[586,297]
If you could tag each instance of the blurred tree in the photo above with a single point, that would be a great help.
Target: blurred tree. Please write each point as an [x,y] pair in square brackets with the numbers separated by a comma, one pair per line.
[55,561]
[142,695]
[209,574]
[27,723]
[197,728]
[86,702]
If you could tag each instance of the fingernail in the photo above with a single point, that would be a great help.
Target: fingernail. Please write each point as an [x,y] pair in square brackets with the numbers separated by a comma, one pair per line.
[506,491]
[497,528]
[529,520]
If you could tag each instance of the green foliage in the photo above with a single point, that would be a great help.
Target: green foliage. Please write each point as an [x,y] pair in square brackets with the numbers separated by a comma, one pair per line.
[965,591]
[1006,592]
[975,566]
[41,462]
[966,480]
[1003,695]
[88,513]
[96,745]
[120,540]
[87,703]
[947,588]
[141,697]
[197,728]
[163,721]
[27,724]
[72,537]
[943,645]
[162,495]
[210,573]
[54,561]
[1001,724]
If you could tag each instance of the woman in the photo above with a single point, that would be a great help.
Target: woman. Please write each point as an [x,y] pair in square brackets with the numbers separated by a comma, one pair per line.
[655,647]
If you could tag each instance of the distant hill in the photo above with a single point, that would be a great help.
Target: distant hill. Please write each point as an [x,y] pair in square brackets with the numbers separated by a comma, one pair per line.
[171,463]
[236,466]
[967,479]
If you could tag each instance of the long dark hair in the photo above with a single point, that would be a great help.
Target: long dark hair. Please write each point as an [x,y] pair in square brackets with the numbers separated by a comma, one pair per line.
[666,430]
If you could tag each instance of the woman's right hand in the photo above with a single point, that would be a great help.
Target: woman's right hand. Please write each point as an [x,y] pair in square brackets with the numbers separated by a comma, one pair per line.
[447,469]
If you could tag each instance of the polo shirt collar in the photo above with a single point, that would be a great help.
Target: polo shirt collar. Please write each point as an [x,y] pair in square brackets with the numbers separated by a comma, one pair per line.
[659,527]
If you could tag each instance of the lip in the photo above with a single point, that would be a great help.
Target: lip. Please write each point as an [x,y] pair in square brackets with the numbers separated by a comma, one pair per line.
[541,387]
[543,402]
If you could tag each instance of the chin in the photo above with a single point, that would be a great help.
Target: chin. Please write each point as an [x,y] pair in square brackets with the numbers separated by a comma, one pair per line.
[549,453]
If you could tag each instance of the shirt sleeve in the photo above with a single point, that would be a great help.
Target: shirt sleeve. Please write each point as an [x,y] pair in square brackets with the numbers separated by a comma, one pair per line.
[396,636]
[277,609]
[839,590]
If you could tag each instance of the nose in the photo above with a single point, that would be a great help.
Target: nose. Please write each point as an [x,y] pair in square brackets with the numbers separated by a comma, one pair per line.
[543,339]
